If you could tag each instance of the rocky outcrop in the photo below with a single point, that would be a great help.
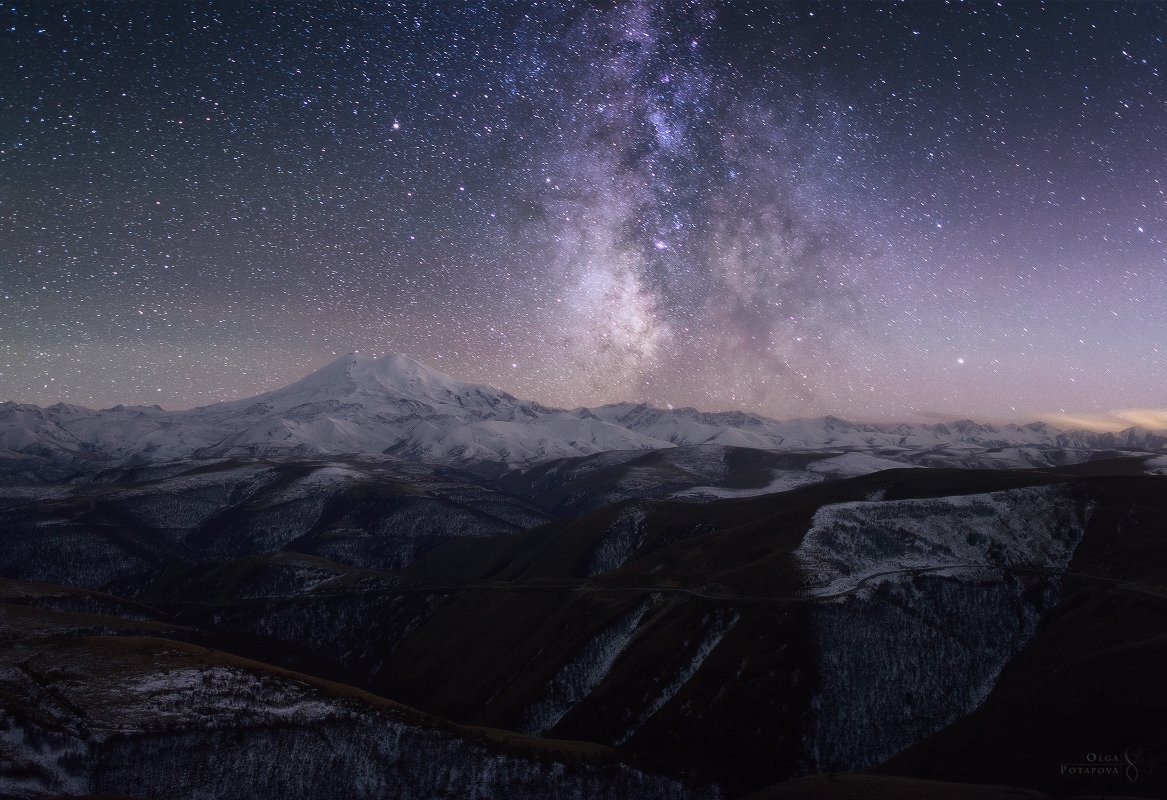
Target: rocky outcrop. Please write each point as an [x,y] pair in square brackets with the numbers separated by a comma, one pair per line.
[924,603]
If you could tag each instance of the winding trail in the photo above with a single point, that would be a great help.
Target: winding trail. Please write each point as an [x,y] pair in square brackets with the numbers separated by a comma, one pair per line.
[584,585]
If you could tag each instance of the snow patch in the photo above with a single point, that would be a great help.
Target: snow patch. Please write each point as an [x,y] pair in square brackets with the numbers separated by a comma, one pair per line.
[623,537]
[38,762]
[578,677]
[850,465]
[718,628]
[1156,465]
[780,481]
[861,543]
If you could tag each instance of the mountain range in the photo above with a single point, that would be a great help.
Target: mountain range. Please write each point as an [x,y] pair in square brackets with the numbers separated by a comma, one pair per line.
[396,407]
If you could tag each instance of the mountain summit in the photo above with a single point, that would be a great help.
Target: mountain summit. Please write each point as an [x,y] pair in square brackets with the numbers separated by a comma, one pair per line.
[365,379]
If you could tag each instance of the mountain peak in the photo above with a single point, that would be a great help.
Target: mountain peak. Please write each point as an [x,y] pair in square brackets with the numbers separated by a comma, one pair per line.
[363,378]
[393,369]
[394,374]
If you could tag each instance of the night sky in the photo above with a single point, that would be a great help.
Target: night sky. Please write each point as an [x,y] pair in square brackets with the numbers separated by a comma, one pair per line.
[880,211]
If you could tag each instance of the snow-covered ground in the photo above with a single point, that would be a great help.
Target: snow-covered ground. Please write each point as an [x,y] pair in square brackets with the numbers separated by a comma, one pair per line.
[715,629]
[781,481]
[849,465]
[837,465]
[862,543]
[575,680]
[1156,465]
[150,720]
[624,536]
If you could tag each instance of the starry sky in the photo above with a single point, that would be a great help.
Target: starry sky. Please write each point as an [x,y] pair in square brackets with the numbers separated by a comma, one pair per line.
[883,211]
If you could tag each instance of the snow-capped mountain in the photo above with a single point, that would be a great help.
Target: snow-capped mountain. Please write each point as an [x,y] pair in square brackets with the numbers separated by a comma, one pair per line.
[356,404]
[739,429]
[397,407]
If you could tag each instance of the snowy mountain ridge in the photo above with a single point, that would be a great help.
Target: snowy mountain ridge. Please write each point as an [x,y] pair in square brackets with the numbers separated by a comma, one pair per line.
[395,406]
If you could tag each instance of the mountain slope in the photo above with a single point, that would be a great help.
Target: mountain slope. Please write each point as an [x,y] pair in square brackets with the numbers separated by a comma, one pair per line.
[750,639]
[372,513]
[122,712]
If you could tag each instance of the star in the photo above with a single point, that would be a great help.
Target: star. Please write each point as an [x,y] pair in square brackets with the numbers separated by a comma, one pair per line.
[707,204]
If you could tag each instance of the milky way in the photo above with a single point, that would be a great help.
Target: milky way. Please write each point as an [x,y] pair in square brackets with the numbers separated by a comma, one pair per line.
[878,211]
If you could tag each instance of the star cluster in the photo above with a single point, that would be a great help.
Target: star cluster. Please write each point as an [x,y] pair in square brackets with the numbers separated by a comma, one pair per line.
[894,211]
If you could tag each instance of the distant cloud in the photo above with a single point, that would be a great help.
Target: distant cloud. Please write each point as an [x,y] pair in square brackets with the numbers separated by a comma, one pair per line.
[1152,418]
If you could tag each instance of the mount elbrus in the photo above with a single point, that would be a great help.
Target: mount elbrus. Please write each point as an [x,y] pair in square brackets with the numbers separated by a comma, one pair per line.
[382,582]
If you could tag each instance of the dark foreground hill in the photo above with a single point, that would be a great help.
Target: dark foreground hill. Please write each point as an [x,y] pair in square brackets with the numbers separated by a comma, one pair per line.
[979,627]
